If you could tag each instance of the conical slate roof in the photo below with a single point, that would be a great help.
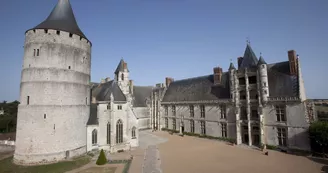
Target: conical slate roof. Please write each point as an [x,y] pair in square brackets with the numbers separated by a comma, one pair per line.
[120,67]
[62,18]
[249,59]
[261,61]
[231,66]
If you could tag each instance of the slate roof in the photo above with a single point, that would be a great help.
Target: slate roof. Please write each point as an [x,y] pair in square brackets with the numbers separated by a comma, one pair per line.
[281,83]
[120,66]
[102,91]
[140,94]
[198,89]
[249,58]
[93,118]
[261,61]
[62,18]
[231,66]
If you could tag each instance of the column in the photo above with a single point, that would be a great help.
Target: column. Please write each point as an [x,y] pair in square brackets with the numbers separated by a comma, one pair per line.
[248,110]
[155,116]
[237,109]
[260,108]
[151,110]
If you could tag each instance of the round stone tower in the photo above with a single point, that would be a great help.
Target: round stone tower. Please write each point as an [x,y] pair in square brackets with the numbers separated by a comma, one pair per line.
[264,85]
[54,92]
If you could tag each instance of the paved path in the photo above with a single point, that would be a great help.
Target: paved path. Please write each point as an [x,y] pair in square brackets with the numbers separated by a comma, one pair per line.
[146,138]
[149,142]
[152,160]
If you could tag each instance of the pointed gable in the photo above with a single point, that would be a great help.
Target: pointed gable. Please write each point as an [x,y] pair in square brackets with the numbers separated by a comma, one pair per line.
[249,59]
[62,18]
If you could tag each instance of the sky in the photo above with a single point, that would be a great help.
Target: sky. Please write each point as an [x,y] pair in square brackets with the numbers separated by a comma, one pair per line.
[176,38]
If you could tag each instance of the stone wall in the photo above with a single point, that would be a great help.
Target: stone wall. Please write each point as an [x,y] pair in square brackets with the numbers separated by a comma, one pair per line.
[54,96]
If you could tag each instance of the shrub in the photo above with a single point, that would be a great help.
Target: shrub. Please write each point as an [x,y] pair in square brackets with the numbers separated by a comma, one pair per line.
[318,133]
[102,158]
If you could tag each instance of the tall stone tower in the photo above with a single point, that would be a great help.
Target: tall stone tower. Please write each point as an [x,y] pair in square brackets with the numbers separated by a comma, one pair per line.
[122,76]
[54,92]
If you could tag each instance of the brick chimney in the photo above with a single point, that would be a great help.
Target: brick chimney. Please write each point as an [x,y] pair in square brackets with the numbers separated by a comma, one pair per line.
[125,66]
[107,79]
[217,73]
[292,57]
[131,86]
[168,81]
[239,60]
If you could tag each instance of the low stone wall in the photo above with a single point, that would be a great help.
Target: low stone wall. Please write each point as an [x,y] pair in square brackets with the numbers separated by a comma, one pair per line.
[43,159]
[6,142]
[6,148]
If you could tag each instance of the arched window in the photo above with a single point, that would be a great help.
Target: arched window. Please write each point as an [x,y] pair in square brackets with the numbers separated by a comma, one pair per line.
[94,136]
[108,133]
[134,132]
[119,132]
[122,76]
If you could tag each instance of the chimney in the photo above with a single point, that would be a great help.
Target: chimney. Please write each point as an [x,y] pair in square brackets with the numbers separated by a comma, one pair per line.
[168,81]
[239,60]
[125,66]
[217,73]
[93,100]
[131,86]
[102,81]
[292,57]
[107,79]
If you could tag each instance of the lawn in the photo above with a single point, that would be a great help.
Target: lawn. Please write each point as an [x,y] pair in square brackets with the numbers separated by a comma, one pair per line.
[6,166]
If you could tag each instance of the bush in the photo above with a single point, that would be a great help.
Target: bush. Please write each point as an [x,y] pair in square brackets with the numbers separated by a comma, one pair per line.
[318,133]
[102,158]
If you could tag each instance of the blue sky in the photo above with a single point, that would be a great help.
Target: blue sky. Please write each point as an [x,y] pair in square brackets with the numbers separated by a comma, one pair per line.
[177,38]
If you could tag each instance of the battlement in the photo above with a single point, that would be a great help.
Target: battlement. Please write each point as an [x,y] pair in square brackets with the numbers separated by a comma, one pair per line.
[62,34]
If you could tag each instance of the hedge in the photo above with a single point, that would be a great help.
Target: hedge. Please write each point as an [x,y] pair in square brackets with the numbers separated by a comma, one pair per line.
[202,136]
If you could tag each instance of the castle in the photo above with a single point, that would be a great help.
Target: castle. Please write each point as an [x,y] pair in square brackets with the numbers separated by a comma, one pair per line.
[255,104]
[62,114]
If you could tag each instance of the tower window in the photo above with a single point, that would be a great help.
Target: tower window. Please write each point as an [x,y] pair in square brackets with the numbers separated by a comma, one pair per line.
[54,126]
[34,30]
[69,67]
[264,84]
[38,52]
[86,100]
[70,35]
[28,100]
[108,106]
[34,53]
[122,76]
[119,107]
[45,116]
[46,31]
[80,38]
[58,32]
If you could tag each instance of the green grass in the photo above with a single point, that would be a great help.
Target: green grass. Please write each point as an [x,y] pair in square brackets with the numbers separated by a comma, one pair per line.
[6,166]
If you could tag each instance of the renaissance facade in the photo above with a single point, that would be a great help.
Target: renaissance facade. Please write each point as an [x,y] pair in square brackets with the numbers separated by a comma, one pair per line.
[256,103]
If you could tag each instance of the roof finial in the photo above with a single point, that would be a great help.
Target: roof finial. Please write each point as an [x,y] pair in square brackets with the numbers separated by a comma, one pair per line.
[260,53]
[230,60]
[248,41]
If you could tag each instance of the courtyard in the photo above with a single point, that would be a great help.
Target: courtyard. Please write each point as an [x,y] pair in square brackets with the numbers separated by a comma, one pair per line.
[191,154]
[160,152]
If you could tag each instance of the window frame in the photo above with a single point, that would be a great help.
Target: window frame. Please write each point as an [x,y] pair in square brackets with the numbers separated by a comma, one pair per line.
[280,113]
[202,111]
[282,134]
[191,110]
[203,127]
[224,130]
[173,110]
[174,124]
[192,126]
[108,133]
[94,137]
[223,112]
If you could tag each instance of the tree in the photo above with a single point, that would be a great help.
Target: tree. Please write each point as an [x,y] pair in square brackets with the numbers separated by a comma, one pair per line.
[318,132]
[102,158]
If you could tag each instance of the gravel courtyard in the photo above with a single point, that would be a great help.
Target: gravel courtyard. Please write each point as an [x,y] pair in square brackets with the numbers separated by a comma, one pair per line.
[195,155]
